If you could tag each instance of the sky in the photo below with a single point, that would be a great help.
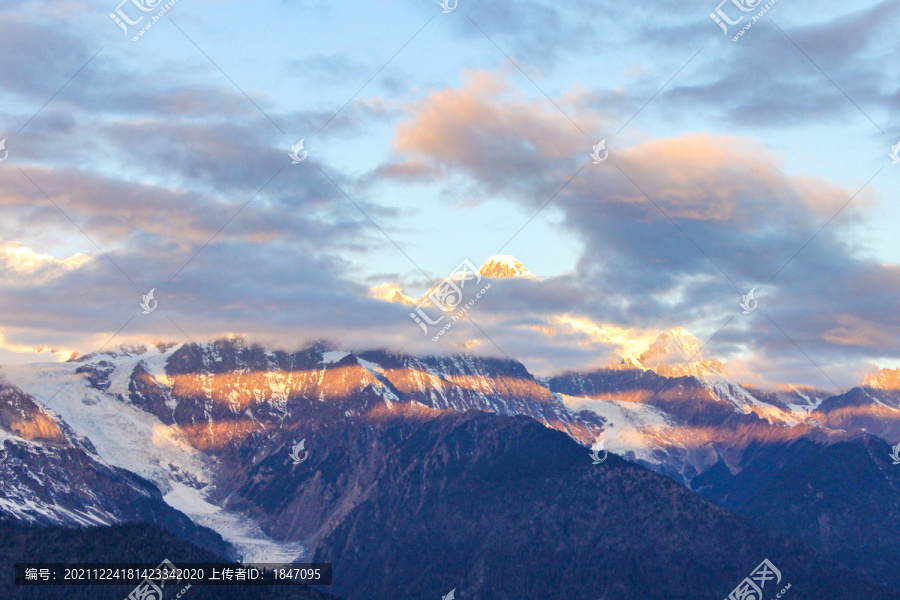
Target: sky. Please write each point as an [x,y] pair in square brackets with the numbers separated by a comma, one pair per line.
[434,135]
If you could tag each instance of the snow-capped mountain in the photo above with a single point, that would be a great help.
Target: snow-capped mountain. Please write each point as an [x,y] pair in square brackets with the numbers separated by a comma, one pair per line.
[883,379]
[873,407]
[673,353]
[52,474]
[208,431]
[182,417]
[391,292]
[503,266]
[678,426]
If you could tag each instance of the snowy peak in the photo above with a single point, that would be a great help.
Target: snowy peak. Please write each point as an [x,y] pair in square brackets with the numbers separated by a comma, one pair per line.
[883,379]
[501,266]
[674,353]
[504,266]
[390,292]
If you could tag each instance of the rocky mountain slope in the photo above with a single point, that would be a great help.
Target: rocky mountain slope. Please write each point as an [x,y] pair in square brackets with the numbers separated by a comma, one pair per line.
[52,476]
[500,507]
[837,492]
[873,407]
[215,427]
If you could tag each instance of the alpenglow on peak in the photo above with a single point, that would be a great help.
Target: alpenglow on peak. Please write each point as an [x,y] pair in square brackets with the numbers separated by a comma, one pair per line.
[504,266]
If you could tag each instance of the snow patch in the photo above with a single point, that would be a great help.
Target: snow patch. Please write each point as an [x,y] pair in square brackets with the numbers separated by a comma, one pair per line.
[333,356]
[132,439]
[250,541]
[630,427]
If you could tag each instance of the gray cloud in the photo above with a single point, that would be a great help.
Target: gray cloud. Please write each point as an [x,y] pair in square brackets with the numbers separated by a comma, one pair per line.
[725,195]
[151,160]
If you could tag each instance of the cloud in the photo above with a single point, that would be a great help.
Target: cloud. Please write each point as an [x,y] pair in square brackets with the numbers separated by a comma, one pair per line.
[488,129]
[155,159]
[17,261]
[674,229]
[768,77]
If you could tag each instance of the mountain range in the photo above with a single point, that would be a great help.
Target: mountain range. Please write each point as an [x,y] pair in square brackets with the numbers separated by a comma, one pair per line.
[415,475]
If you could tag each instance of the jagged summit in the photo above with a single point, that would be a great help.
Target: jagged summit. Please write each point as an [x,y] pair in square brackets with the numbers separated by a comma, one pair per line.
[391,292]
[204,434]
[504,266]
[501,266]
[673,353]
[883,379]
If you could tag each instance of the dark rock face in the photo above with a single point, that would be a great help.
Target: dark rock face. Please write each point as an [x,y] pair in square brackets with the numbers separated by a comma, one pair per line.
[98,373]
[500,507]
[836,493]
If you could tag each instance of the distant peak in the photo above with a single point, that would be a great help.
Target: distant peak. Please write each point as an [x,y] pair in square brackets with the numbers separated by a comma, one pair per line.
[504,266]
[501,266]
[390,292]
[883,379]
[674,353]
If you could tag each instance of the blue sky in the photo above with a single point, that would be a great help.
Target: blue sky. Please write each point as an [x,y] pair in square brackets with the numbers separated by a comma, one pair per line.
[456,129]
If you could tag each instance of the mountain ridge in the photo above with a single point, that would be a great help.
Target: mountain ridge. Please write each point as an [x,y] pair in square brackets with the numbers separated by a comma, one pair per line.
[213,425]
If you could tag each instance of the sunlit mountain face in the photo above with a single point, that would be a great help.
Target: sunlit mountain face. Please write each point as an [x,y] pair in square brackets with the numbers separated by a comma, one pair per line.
[467,300]
[212,429]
